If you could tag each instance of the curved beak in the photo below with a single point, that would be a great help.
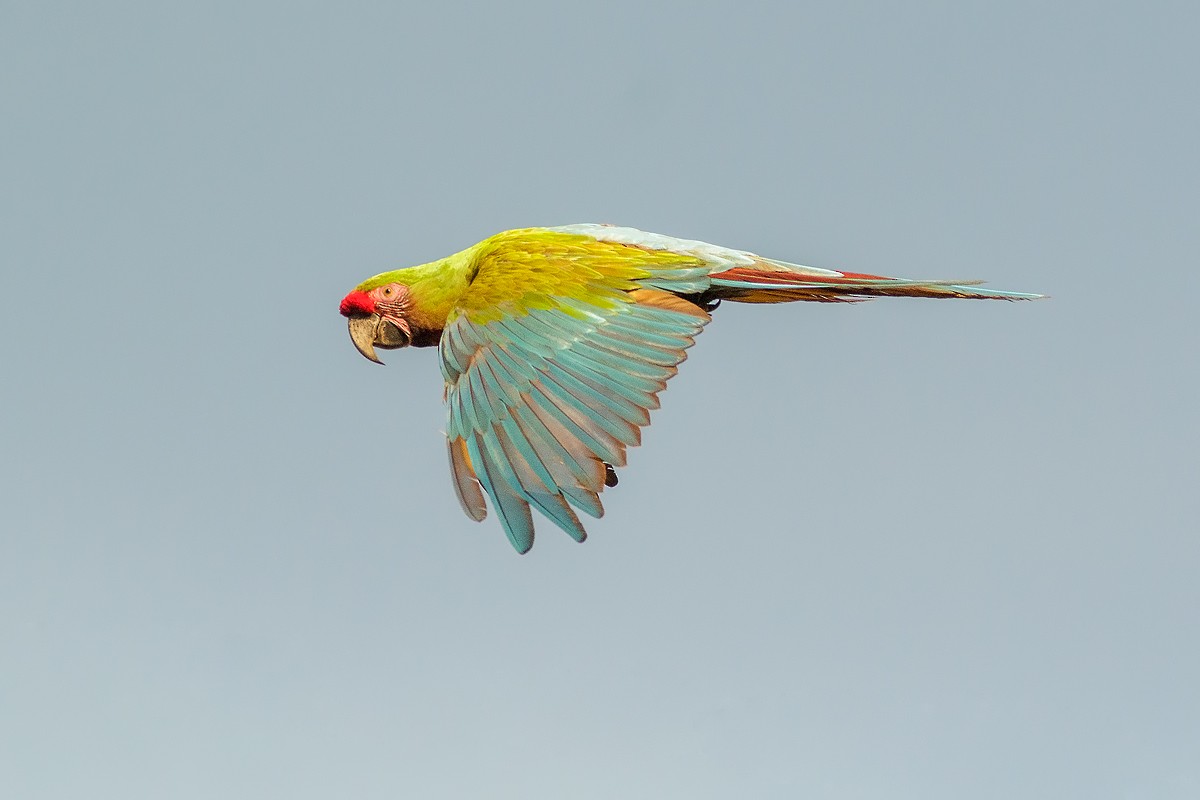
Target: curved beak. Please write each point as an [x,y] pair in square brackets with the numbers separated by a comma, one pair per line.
[371,331]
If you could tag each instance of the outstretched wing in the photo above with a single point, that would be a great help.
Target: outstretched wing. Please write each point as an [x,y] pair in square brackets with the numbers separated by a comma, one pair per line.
[553,361]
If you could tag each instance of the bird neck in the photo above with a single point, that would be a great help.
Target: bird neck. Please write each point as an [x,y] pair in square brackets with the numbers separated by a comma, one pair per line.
[436,290]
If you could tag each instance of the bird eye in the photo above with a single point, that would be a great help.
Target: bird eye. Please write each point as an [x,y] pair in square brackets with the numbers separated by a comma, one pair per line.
[388,291]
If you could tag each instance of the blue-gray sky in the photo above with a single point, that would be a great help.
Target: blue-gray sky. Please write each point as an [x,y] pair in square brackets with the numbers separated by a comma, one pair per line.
[903,549]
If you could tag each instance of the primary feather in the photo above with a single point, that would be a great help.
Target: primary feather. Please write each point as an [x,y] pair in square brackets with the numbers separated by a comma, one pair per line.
[555,343]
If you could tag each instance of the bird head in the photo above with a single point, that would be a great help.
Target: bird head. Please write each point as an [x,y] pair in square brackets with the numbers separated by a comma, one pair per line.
[378,318]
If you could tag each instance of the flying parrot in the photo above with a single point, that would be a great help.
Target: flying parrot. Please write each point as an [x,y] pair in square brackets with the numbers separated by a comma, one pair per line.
[555,343]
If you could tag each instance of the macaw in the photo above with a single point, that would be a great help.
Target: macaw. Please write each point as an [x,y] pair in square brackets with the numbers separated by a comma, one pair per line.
[555,343]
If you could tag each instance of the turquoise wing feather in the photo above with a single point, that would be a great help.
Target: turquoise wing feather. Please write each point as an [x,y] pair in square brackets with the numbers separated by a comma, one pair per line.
[541,397]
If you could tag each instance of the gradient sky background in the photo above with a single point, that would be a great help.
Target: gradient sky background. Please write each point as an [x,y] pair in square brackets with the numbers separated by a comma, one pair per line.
[905,549]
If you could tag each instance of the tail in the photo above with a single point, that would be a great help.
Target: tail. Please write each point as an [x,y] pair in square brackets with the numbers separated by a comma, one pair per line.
[769,281]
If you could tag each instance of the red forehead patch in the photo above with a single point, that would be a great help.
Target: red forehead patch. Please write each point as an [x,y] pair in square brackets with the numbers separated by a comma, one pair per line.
[357,303]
